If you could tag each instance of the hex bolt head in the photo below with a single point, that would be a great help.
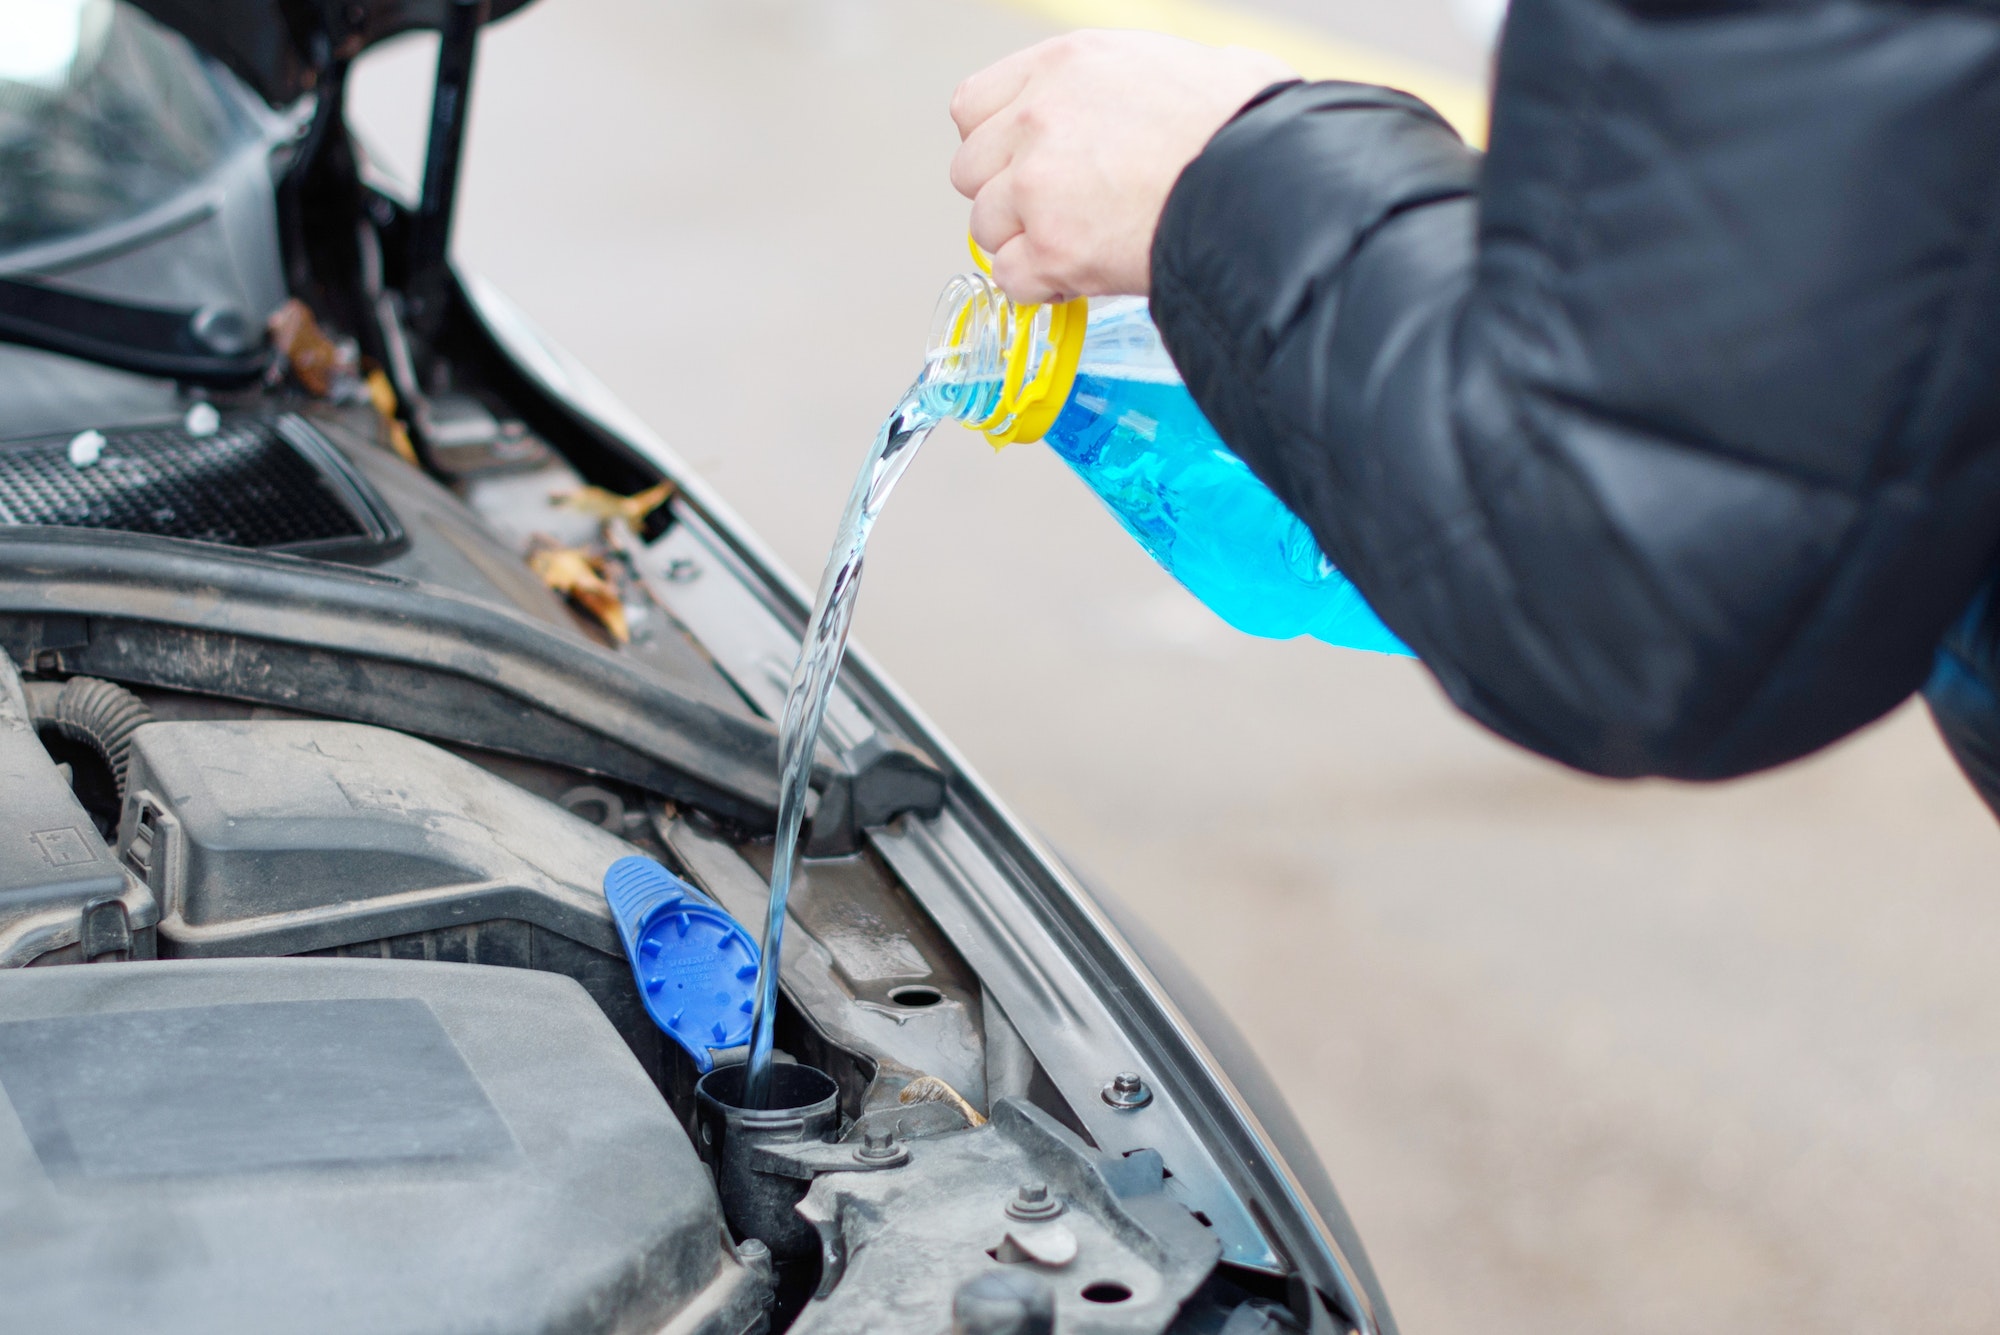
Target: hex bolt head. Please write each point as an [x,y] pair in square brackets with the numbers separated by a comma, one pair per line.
[878,1145]
[1127,1091]
[1032,1202]
[756,1257]
[223,330]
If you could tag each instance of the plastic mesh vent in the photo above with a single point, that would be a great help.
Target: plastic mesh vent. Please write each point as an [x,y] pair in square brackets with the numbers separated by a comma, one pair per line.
[258,482]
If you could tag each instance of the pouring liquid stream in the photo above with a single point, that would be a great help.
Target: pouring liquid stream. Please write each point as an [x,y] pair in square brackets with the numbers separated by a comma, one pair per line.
[812,684]
[1117,411]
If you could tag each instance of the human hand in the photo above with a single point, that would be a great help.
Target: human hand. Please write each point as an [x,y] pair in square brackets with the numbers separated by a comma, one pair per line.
[1071,147]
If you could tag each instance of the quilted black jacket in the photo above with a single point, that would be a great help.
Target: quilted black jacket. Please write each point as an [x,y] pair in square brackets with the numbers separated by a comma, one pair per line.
[1668,434]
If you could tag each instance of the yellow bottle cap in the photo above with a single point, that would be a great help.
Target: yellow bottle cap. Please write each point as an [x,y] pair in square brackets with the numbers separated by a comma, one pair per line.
[1029,403]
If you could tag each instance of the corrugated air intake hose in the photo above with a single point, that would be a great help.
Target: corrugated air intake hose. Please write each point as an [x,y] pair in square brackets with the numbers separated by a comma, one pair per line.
[100,715]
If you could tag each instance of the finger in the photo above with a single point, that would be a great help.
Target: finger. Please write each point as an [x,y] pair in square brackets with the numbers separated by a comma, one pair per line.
[980,96]
[986,153]
[1018,271]
[996,219]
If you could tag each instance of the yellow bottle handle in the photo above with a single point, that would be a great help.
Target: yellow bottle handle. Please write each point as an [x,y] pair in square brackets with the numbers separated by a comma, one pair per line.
[1025,411]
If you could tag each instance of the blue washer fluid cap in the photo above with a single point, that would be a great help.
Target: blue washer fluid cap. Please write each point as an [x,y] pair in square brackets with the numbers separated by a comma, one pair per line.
[695,966]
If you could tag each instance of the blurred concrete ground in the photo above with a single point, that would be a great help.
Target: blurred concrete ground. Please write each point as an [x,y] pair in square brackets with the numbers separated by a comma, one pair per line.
[1583,1057]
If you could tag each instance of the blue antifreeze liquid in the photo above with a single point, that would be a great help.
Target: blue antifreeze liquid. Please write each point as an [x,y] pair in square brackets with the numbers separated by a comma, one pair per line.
[1132,432]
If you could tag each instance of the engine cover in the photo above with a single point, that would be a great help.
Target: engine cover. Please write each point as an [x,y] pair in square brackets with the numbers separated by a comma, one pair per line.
[60,889]
[343,1146]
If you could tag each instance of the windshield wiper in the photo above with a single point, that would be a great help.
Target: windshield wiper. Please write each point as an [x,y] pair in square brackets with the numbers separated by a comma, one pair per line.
[211,345]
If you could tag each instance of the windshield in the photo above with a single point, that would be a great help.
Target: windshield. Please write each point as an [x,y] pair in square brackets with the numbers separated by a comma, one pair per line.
[103,114]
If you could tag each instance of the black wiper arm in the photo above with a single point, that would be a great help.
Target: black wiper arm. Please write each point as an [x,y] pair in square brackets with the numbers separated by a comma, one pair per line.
[209,345]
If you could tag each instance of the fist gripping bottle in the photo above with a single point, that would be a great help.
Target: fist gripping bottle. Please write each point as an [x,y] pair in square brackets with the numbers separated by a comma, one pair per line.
[1093,380]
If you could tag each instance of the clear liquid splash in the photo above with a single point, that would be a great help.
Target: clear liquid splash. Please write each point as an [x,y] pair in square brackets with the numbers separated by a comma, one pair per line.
[812,684]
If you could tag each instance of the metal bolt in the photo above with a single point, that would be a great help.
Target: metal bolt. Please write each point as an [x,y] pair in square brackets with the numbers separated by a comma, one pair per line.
[877,1145]
[222,330]
[1033,1201]
[756,1258]
[1127,1091]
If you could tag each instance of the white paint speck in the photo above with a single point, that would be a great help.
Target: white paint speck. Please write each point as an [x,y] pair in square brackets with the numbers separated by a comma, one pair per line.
[85,448]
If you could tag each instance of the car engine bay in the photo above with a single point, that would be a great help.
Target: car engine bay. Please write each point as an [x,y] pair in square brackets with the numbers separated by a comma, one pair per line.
[288,886]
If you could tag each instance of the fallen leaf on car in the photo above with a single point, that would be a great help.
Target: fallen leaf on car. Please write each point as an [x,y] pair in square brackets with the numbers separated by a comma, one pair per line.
[581,577]
[383,396]
[602,504]
[313,357]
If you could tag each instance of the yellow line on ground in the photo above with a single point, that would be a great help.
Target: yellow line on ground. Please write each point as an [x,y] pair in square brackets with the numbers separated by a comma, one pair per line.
[1312,54]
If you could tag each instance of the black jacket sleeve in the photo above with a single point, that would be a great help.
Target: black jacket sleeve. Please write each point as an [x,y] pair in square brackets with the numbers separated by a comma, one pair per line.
[1668,434]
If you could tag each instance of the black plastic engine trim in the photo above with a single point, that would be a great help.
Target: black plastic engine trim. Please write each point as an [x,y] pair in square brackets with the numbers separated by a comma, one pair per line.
[256,481]
[150,340]
[360,645]
[356,644]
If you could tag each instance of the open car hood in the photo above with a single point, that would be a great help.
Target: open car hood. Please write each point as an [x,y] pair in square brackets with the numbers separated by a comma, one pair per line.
[280,47]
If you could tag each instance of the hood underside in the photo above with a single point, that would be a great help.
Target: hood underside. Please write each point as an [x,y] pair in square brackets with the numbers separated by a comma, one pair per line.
[281,47]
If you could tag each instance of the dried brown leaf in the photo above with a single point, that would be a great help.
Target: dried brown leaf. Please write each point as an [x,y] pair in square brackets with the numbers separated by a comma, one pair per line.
[305,347]
[602,504]
[581,577]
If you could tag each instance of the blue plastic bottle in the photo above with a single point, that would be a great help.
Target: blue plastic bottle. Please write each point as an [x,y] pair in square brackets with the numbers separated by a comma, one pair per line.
[1129,428]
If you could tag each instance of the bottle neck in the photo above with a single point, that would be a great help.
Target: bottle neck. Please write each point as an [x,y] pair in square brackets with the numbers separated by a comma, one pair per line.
[965,359]
[1003,369]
